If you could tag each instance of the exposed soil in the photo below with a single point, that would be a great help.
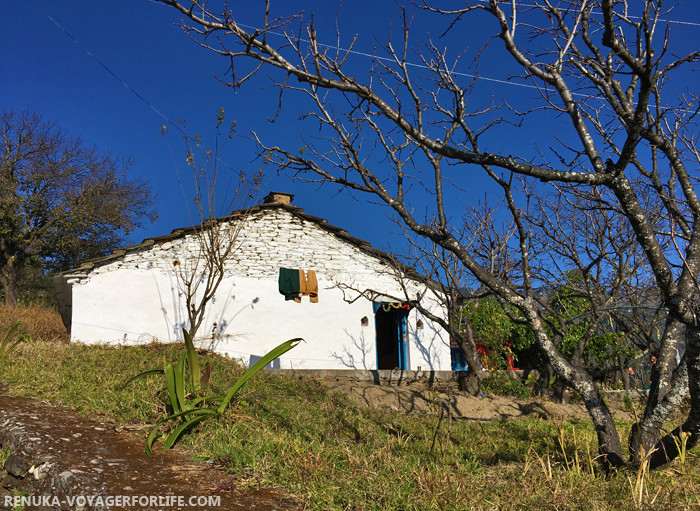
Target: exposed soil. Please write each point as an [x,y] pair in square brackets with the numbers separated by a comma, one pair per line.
[417,398]
[84,456]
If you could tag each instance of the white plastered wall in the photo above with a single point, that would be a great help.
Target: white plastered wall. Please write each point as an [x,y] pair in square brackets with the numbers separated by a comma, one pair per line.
[137,299]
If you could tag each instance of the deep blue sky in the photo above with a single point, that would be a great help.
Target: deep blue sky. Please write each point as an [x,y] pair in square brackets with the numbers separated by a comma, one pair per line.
[140,42]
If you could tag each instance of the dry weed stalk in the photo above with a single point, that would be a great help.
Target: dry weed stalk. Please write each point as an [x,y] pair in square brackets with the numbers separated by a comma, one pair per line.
[546,467]
[640,488]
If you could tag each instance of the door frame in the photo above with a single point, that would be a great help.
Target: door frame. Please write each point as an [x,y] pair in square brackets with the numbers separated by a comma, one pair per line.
[402,333]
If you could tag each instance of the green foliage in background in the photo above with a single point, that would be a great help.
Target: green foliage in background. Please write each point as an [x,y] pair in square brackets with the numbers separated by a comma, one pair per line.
[603,348]
[492,326]
[501,384]
[61,201]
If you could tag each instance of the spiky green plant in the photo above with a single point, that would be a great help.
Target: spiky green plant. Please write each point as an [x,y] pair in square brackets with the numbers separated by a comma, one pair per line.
[178,384]
[6,347]
[189,411]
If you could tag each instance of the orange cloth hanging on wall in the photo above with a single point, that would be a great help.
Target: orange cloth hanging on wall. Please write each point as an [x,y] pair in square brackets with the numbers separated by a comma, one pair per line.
[308,285]
[312,286]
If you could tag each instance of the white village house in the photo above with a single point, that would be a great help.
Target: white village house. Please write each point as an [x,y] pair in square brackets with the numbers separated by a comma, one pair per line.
[134,296]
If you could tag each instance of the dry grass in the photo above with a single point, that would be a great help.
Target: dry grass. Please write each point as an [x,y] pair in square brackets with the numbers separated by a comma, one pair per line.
[37,322]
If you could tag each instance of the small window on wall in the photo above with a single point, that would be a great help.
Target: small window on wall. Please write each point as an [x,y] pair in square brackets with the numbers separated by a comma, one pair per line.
[364,321]
[419,324]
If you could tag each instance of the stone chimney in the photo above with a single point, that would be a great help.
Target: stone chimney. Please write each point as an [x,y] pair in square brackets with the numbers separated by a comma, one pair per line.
[278,198]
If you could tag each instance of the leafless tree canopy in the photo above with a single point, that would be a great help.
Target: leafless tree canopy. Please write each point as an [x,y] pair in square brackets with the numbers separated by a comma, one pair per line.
[613,196]
[201,267]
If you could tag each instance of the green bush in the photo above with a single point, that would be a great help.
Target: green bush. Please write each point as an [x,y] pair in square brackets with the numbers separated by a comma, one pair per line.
[627,404]
[501,384]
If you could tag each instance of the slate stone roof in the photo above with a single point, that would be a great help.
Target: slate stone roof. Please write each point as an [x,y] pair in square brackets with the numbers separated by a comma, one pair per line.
[338,232]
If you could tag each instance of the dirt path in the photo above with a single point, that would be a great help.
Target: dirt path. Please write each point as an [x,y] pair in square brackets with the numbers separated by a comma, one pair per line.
[416,398]
[73,455]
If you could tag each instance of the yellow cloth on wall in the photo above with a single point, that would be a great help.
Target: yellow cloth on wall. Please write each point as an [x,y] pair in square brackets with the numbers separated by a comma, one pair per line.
[308,285]
[312,286]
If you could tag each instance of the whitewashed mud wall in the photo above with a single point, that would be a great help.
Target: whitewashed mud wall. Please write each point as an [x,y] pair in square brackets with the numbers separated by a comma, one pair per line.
[137,299]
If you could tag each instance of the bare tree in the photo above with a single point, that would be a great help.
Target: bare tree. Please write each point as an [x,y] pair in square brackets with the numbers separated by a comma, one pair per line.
[452,286]
[444,283]
[586,265]
[600,65]
[585,251]
[216,231]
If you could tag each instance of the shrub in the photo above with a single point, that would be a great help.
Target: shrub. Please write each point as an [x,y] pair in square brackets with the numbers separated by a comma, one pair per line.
[627,403]
[501,384]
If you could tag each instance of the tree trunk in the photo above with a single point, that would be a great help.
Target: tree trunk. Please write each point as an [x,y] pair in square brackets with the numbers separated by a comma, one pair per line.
[470,381]
[609,445]
[544,380]
[644,436]
[8,279]
[661,372]
[666,449]
[665,395]
[559,391]
[625,373]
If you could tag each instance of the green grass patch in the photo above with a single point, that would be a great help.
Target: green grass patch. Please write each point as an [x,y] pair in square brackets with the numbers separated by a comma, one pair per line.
[5,453]
[337,456]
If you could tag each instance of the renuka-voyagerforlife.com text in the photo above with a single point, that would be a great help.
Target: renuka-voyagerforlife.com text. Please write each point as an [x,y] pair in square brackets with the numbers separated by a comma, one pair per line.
[125,501]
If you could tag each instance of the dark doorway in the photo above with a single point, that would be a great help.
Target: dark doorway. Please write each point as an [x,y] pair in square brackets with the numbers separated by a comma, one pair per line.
[390,322]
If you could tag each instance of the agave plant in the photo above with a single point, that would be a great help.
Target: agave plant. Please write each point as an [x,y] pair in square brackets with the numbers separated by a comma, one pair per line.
[176,380]
[6,347]
[187,411]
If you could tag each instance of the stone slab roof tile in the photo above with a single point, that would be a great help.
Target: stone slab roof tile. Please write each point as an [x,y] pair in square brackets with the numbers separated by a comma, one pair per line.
[338,232]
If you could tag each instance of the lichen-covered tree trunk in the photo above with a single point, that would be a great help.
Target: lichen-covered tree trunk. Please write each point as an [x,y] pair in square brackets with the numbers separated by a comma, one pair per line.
[668,389]
[609,445]
[665,362]
[667,448]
